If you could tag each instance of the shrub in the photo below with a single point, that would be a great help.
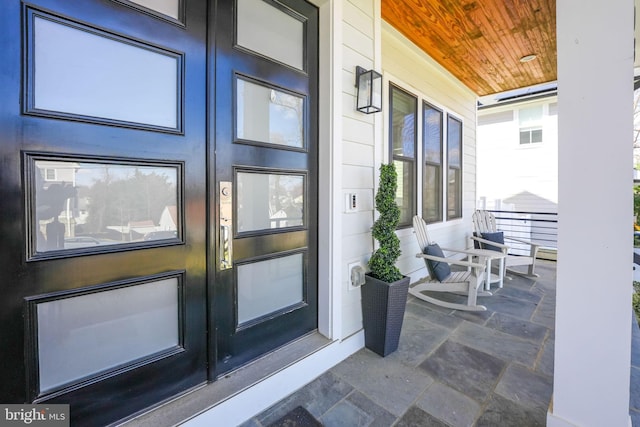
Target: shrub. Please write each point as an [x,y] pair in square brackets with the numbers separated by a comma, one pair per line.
[382,263]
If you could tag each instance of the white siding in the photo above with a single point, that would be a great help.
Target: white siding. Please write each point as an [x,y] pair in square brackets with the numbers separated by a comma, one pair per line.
[358,147]
[363,147]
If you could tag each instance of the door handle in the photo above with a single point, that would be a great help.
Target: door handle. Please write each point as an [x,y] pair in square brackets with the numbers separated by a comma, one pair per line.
[225,247]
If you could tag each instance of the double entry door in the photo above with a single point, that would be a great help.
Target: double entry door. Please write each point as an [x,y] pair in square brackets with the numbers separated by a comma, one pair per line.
[159,187]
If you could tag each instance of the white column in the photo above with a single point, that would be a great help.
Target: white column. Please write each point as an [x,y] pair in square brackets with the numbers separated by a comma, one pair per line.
[595,124]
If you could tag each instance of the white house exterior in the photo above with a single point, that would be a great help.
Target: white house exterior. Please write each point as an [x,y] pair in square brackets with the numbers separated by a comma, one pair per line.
[592,350]
[531,165]
[518,138]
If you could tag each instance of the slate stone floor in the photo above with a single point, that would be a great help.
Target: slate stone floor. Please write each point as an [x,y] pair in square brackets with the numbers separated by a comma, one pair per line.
[453,368]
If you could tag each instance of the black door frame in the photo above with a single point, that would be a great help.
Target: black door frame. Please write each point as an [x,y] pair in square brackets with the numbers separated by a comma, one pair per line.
[217,168]
[102,399]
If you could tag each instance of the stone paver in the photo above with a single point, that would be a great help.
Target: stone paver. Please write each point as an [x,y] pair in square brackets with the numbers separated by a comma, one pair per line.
[504,412]
[499,344]
[449,405]
[388,383]
[517,326]
[515,307]
[380,416]
[465,369]
[345,414]
[416,343]
[416,417]
[544,365]
[525,387]
[316,397]
[545,314]
[526,293]
[423,311]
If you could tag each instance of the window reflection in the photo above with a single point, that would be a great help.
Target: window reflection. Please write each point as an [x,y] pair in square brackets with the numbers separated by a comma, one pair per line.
[432,167]
[267,201]
[90,205]
[268,115]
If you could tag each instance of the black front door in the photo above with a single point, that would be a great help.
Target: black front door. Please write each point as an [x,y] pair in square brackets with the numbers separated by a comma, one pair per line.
[265,161]
[158,181]
[103,189]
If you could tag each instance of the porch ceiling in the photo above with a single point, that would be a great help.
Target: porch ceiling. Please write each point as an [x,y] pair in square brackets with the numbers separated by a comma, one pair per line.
[481,41]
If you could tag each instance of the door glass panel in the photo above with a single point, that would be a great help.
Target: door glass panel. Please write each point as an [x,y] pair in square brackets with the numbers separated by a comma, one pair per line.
[271,32]
[269,200]
[93,333]
[166,7]
[95,75]
[266,287]
[268,115]
[93,205]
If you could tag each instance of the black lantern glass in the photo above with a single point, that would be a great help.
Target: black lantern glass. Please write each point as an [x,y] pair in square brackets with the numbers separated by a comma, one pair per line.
[368,91]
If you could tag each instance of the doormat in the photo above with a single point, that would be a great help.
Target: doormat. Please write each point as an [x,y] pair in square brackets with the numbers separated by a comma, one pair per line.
[298,417]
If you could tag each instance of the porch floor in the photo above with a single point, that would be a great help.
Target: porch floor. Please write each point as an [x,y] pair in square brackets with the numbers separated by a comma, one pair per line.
[452,368]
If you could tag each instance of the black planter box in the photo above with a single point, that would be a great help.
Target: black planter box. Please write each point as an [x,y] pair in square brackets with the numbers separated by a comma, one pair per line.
[383,306]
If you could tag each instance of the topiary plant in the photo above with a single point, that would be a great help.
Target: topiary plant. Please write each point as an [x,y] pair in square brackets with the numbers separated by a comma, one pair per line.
[382,264]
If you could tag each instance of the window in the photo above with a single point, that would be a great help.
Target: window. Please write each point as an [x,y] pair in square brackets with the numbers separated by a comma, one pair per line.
[403,138]
[432,167]
[50,174]
[80,205]
[437,162]
[454,164]
[530,120]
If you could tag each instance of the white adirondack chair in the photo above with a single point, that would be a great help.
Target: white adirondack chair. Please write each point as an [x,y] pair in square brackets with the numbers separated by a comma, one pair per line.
[460,282]
[485,222]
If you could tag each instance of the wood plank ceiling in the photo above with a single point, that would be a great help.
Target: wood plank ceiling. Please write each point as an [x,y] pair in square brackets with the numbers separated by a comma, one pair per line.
[481,41]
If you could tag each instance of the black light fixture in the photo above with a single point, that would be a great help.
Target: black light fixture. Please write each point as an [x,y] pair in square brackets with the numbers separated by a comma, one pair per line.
[368,91]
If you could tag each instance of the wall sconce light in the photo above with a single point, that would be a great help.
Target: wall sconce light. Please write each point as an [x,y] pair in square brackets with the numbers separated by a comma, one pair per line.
[368,91]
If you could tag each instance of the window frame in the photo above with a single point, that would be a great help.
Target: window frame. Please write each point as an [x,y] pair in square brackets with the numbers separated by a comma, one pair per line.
[529,130]
[458,171]
[439,166]
[418,162]
[407,160]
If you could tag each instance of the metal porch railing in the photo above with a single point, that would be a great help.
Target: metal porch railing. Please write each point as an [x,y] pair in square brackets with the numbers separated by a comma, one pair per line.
[538,227]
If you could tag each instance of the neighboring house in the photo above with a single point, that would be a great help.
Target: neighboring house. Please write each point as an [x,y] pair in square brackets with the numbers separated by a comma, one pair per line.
[518,139]
[169,218]
[235,110]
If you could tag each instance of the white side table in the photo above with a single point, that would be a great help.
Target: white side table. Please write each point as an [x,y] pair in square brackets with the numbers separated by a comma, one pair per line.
[490,277]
